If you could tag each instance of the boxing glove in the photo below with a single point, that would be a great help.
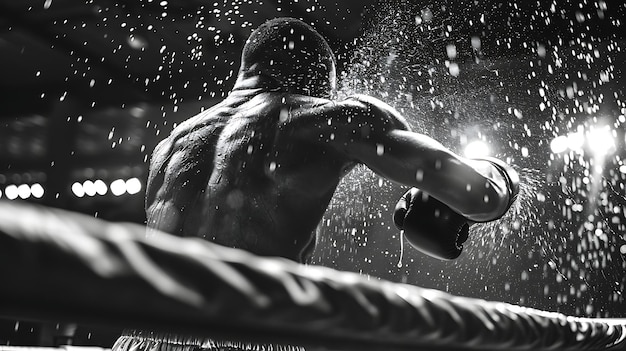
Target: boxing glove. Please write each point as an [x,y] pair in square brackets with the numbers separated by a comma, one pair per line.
[431,226]
[434,228]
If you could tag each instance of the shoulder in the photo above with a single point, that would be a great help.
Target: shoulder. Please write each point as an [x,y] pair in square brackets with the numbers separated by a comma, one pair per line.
[356,107]
[373,111]
[342,122]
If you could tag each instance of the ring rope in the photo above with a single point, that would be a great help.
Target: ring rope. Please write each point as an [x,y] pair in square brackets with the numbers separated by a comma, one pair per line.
[64,266]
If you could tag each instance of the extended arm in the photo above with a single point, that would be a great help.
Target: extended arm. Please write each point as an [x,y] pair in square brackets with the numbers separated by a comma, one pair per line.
[378,136]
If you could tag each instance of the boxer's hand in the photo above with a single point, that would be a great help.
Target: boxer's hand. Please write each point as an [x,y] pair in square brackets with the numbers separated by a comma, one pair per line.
[430,225]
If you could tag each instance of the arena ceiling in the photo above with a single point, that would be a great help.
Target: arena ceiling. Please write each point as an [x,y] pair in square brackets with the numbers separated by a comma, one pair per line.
[115,51]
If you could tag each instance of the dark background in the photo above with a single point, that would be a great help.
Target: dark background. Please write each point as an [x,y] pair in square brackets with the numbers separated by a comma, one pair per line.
[88,88]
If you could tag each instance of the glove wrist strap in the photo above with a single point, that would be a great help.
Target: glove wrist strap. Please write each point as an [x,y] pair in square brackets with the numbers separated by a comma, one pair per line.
[511,177]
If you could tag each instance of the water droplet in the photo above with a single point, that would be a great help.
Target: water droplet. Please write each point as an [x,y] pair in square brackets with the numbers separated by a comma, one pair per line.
[380,149]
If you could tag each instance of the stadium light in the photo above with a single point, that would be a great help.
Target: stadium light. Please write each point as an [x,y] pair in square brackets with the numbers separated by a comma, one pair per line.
[476,149]
[598,140]
[89,188]
[77,189]
[100,187]
[37,190]
[118,187]
[23,191]
[11,192]
[133,186]
[601,140]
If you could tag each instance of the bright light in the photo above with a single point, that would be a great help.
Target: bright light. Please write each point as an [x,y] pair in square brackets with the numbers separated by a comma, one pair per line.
[101,188]
[77,189]
[89,188]
[98,187]
[559,144]
[37,190]
[601,140]
[476,149]
[622,169]
[23,191]
[576,141]
[11,192]
[118,187]
[133,186]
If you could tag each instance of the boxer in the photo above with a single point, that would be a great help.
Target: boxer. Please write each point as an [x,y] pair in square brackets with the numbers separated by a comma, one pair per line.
[258,170]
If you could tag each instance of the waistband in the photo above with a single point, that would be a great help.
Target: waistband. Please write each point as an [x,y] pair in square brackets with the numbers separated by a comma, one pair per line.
[135,340]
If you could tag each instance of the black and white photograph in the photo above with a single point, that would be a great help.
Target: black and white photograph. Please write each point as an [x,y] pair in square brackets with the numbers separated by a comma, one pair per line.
[311,175]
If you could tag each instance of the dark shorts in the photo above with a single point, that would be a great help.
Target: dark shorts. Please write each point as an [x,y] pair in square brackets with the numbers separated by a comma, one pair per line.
[151,341]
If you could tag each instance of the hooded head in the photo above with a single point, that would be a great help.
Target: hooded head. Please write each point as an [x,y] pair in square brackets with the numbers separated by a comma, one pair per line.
[293,54]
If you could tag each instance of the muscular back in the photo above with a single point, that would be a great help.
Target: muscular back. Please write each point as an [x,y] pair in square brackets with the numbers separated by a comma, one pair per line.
[251,172]
[257,171]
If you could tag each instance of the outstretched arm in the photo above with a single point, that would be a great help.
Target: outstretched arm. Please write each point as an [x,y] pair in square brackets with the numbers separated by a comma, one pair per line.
[373,133]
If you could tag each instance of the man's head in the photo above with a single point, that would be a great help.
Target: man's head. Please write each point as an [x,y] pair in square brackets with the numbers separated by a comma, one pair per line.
[292,53]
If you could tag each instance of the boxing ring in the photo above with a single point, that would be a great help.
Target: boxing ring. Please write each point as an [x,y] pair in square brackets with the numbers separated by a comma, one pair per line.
[61,266]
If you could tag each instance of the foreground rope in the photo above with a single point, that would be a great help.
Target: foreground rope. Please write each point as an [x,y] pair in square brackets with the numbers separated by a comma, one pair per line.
[63,266]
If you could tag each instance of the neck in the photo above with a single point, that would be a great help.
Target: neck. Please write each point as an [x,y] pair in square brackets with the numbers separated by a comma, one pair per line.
[257,81]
